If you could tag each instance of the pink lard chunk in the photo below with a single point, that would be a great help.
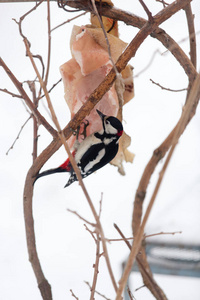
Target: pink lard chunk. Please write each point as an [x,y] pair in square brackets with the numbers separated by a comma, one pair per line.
[82,74]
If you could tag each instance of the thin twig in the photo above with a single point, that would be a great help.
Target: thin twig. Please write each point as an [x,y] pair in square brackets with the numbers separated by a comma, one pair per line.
[53,86]
[79,216]
[18,135]
[105,34]
[161,233]
[91,232]
[73,295]
[149,14]
[27,100]
[167,89]
[145,236]
[96,267]
[163,2]
[122,235]
[142,286]
[130,293]
[49,42]
[100,205]
[191,29]
[98,255]
[103,296]
[10,93]
[31,85]
[69,20]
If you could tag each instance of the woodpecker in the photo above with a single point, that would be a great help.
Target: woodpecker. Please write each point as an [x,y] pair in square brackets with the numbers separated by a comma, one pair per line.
[95,151]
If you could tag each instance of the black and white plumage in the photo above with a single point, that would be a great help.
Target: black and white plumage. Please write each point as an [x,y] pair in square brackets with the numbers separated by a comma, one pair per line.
[95,151]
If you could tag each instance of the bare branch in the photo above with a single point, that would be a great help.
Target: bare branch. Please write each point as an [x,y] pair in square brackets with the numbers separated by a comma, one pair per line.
[96,267]
[91,232]
[122,235]
[103,296]
[133,20]
[27,100]
[167,89]
[191,29]
[83,219]
[18,135]
[74,165]
[163,2]
[142,286]
[53,86]
[130,294]
[145,236]
[31,85]
[100,205]
[69,20]
[161,233]
[105,34]
[49,42]
[74,295]
[87,107]
[149,14]
[10,93]
[146,272]
[186,116]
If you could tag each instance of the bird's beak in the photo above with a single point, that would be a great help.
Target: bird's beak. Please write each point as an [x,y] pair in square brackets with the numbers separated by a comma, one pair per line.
[102,116]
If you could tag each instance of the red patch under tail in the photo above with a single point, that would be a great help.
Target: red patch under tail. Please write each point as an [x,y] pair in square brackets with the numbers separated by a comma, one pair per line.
[67,165]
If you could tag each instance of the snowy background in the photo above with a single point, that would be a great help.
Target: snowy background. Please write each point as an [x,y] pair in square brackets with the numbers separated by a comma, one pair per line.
[66,250]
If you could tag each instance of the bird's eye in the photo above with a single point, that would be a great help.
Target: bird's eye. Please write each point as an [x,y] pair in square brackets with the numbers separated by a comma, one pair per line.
[107,122]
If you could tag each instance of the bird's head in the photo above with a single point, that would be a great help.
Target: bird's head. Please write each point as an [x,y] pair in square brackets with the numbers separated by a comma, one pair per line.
[111,125]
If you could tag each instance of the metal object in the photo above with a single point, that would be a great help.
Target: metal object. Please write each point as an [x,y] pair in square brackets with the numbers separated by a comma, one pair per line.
[171,259]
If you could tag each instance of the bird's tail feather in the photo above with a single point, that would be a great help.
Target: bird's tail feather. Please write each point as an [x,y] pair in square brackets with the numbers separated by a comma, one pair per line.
[51,171]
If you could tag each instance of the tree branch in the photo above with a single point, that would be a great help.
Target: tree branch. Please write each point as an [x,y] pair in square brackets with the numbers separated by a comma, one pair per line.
[49,42]
[107,83]
[93,99]
[188,112]
[148,279]
[191,29]
[27,100]
[135,21]
[167,89]
[18,135]
[10,93]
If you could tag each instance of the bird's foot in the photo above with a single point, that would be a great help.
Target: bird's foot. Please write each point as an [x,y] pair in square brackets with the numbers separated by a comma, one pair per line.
[77,132]
[84,132]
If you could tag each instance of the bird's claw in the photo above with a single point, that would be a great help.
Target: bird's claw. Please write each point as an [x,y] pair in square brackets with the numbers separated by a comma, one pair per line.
[77,131]
[84,132]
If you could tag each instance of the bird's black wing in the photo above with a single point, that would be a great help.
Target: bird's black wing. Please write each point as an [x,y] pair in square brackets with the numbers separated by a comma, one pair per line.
[94,155]
[90,155]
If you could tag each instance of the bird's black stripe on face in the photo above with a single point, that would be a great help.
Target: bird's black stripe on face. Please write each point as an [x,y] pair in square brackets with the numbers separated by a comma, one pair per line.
[115,123]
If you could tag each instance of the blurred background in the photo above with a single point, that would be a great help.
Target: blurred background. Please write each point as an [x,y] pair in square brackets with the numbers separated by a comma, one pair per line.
[65,248]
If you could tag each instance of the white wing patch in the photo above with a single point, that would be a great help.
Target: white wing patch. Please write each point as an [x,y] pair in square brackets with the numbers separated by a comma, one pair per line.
[85,145]
[95,161]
